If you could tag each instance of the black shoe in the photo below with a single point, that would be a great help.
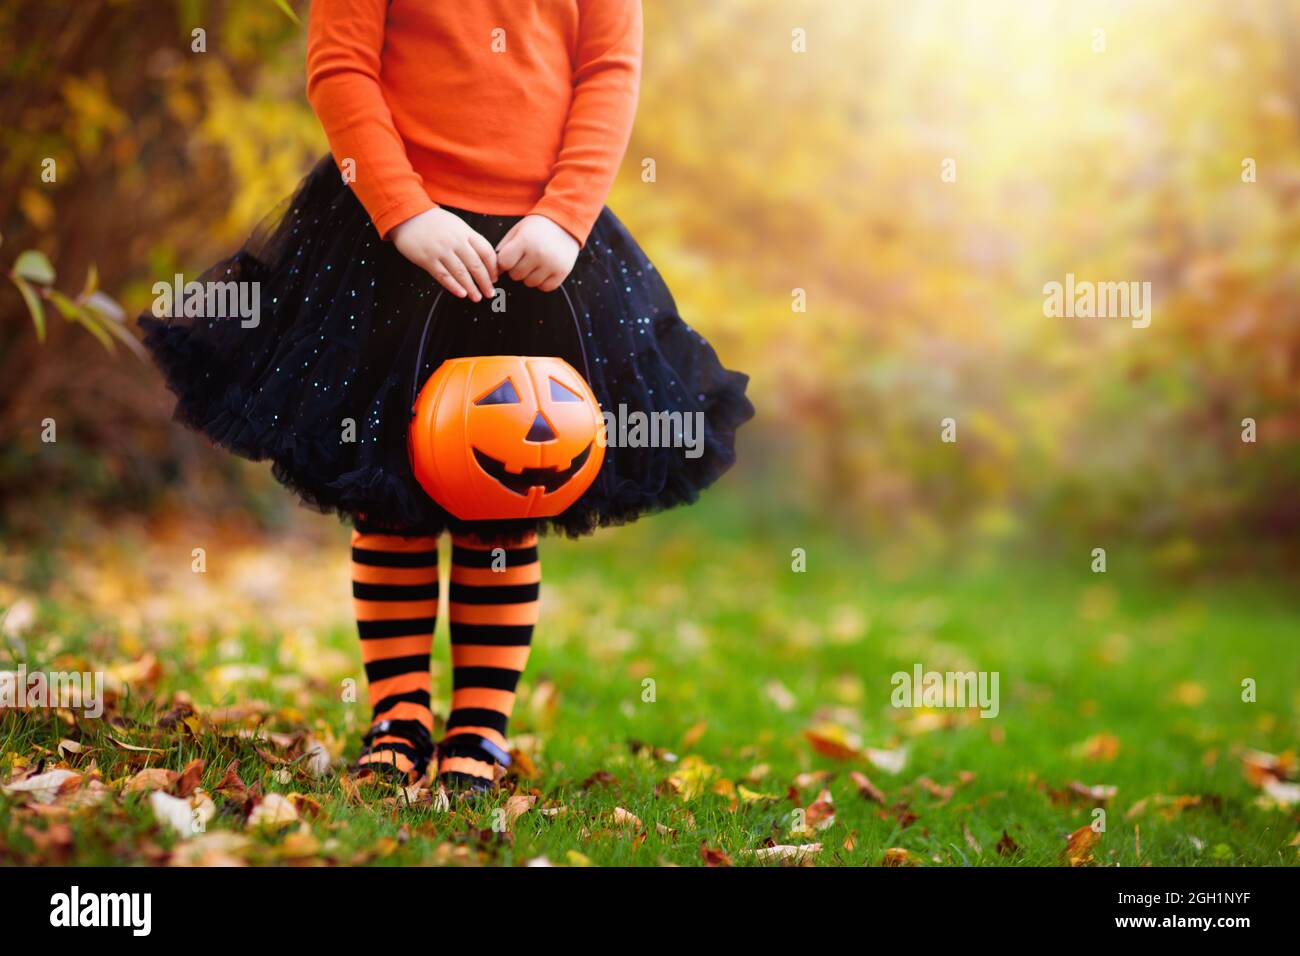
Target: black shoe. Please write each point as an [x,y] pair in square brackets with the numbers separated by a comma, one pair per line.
[416,746]
[465,784]
[476,748]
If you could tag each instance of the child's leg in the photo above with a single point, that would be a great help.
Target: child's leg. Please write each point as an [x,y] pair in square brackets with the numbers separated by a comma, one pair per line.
[395,593]
[494,588]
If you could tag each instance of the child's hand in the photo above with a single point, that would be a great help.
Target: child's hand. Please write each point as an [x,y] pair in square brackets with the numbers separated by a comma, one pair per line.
[443,245]
[537,253]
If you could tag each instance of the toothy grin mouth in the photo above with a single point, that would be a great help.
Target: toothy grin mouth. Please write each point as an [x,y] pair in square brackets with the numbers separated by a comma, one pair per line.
[548,479]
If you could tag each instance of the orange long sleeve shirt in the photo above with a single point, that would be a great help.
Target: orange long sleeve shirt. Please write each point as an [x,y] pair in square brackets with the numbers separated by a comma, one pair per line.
[496,106]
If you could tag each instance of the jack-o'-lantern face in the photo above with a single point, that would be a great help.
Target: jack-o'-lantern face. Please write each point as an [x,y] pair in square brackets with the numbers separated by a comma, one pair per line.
[498,437]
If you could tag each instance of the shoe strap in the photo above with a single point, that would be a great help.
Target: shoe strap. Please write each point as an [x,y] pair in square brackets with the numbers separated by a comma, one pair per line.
[412,731]
[463,745]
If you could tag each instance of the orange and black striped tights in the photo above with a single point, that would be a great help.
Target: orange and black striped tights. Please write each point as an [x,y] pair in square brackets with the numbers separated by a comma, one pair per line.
[492,606]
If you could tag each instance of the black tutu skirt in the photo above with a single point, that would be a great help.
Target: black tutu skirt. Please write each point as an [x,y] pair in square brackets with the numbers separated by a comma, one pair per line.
[341,317]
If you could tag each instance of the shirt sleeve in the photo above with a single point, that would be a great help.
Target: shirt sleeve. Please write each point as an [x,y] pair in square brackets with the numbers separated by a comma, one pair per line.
[345,41]
[607,78]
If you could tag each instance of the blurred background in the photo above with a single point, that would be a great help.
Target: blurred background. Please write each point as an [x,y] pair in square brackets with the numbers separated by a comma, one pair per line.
[1115,155]
[913,177]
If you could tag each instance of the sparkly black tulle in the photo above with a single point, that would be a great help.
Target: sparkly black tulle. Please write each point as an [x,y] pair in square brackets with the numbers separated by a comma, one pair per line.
[338,332]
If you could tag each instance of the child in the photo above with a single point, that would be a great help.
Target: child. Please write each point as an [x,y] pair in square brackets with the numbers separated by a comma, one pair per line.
[473,145]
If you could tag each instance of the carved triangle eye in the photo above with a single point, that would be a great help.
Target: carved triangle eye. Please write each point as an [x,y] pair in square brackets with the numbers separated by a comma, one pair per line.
[562,393]
[503,394]
[541,430]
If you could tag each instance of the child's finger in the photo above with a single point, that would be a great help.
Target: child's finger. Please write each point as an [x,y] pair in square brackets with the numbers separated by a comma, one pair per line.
[451,285]
[486,253]
[453,264]
[551,282]
[535,278]
[509,252]
[477,269]
[509,236]
[447,280]
[527,263]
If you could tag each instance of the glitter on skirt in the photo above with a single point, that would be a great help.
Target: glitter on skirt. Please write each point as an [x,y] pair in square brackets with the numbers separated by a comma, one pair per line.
[340,318]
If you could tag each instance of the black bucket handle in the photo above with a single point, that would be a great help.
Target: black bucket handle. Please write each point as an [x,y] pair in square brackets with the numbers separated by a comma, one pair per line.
[428,324]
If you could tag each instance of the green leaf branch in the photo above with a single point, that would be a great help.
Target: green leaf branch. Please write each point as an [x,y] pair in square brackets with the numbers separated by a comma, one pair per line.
[94,310]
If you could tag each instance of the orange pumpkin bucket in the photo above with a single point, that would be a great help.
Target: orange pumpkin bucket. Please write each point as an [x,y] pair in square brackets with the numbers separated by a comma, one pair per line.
[505,436]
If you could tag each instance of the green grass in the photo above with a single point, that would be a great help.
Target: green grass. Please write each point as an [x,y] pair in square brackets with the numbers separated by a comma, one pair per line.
[745,656]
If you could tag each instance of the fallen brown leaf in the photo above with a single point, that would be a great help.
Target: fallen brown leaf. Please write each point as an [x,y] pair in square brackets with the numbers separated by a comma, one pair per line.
[693,734]
[46,787]
[624,818]
[518,805]
[890,761]
[796,853]
[270,758]
[902,812]
[1261,767]
[814,778]
[151,778]
[941,793]
[135,748]
[186,817]
[897,856]
[231,785]
[753,796]
[693,777]
[821,812]
[67,747]
[138,674]
[305,804]
[1282,794]
[971,842]
[832,740]
[1007,846]
[216,848]
[1099,792]
[1168,807]
[349,787]
[865,787]
[180,710]
[273,810]
[1103,746]
[712,857]
[316,758]
[190,778]
[91,792]
[53,843]
[1079,846]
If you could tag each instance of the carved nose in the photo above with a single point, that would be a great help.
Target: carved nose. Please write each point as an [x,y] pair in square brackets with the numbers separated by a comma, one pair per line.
[541,430]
